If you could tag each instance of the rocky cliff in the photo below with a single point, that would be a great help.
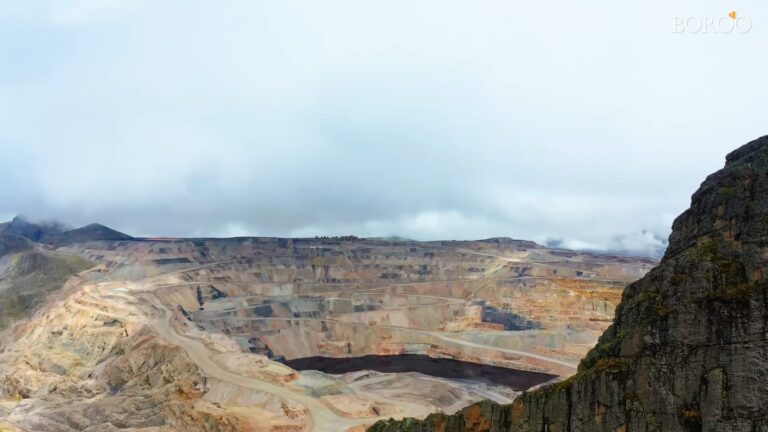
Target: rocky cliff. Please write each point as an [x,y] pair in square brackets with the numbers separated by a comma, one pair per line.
[687,350]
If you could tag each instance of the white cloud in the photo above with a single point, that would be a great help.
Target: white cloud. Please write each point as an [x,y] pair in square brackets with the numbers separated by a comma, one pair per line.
[429,120]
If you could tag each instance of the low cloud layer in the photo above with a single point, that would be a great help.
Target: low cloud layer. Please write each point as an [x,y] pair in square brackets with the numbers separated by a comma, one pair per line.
[585,125]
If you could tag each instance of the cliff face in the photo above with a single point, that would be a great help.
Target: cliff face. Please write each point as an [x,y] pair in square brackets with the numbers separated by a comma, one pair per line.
[688,348]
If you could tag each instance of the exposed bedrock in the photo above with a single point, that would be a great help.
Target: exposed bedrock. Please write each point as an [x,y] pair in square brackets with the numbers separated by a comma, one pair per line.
[162,335]
[687,350]
[527,300]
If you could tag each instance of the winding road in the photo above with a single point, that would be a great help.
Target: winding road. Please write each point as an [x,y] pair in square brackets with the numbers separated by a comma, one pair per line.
[323,418]
[438,335]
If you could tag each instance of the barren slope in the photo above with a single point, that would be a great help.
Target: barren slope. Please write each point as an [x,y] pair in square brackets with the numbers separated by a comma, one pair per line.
[187,332]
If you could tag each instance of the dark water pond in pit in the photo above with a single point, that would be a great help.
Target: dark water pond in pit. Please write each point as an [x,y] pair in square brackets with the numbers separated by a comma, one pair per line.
[436,367]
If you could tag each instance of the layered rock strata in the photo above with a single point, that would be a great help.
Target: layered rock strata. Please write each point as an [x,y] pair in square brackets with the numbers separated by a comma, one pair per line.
[688,349]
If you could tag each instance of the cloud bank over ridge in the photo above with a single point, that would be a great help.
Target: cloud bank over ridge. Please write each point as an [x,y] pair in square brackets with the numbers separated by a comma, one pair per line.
[586,128]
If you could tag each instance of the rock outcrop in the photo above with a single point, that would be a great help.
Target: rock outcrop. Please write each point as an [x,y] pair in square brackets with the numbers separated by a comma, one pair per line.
[688,349]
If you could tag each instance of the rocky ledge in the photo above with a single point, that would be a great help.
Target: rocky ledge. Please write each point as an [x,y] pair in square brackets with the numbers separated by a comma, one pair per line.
[687,350]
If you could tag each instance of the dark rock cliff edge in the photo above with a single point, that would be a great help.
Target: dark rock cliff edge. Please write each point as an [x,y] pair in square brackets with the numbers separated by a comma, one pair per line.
[688,349]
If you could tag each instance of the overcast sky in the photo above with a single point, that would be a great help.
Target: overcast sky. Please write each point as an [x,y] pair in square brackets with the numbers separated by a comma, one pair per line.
[586,124]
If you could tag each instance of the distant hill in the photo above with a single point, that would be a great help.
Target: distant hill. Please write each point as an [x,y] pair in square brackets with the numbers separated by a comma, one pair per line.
[36,232]
[11,243]
[28,276]
[55,233]
[92,232]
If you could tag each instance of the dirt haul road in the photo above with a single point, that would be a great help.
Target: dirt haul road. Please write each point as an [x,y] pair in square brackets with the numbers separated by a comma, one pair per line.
[323,419]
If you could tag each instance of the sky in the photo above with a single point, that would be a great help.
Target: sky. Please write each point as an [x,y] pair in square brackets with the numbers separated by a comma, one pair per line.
[585,125]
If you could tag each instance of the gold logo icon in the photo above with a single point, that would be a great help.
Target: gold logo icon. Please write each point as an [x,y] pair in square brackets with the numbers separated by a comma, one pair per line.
[732,15]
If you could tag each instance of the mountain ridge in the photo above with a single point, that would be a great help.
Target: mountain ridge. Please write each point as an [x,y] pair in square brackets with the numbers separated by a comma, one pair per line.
[57,233]
[688,349]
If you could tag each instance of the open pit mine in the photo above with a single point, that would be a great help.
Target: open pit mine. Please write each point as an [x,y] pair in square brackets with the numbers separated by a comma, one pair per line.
[103,332]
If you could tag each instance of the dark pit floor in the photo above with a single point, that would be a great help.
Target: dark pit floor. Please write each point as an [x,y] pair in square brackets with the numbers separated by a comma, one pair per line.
[437,367]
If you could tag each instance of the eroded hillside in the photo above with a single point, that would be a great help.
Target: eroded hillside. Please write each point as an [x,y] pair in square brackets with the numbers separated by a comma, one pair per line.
[191,335]
[28,275]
